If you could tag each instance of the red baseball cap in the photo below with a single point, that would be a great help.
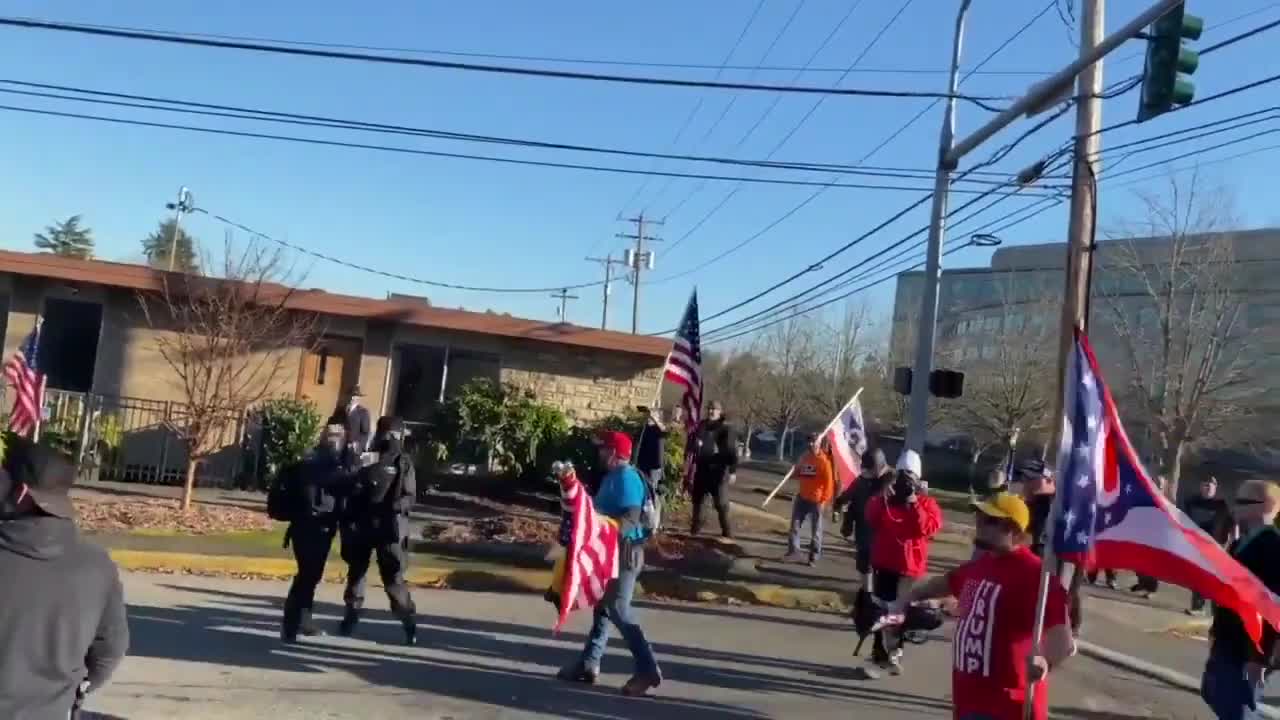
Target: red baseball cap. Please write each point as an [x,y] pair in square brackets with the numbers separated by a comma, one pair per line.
[619,442]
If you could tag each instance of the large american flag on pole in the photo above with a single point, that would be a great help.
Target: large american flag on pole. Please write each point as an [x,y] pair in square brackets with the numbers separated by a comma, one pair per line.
[24,376]
[847,438]
[591,550]
[1111,515]
[684,367]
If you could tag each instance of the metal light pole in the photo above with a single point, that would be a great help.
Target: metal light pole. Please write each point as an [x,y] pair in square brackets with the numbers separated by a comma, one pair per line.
[927,331]
[182,206]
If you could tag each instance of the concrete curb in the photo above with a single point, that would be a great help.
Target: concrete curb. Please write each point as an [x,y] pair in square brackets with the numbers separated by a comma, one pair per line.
[653,583]
[1156,672]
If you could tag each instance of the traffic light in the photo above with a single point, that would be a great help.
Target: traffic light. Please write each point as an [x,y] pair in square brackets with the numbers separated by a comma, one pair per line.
[946,384]
[1164,80]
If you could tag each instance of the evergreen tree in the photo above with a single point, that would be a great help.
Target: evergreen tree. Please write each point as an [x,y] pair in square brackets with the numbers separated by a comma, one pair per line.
[67,238]
[156,247]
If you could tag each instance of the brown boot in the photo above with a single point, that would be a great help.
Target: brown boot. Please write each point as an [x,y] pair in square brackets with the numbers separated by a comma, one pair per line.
[640,684]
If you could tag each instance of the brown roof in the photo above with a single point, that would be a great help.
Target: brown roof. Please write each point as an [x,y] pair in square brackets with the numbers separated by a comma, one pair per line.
[139,277]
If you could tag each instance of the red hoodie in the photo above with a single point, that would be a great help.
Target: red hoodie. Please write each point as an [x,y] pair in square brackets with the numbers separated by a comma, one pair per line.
[900,534]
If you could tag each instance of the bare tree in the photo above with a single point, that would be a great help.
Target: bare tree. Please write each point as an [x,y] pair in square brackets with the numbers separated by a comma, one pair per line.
[741,382]
[1173,301]
[1009,367]
[229,342]
[842,349]
[791,351]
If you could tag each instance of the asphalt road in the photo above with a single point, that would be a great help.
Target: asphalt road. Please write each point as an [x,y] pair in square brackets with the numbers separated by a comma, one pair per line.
[207,649]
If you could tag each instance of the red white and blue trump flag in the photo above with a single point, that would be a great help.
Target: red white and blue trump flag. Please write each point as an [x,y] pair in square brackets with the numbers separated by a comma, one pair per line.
[1110,515]
[847,438]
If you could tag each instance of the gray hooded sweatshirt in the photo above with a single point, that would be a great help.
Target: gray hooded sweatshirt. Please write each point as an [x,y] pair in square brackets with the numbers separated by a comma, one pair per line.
[62,617]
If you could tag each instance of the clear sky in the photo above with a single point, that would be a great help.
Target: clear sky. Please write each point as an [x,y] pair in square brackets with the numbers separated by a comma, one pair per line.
[489,224]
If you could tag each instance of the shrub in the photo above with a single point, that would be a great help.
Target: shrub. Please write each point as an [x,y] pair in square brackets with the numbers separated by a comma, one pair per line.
[508,420]
[289,429]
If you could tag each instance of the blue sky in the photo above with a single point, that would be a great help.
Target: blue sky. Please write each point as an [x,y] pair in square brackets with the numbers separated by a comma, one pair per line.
[498,225]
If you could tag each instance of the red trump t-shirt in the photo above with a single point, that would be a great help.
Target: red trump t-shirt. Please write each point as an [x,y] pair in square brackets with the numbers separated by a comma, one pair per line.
[997,609]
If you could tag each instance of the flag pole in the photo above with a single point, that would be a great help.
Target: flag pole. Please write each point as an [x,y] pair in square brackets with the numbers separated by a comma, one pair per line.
[1048,570]
[792,469]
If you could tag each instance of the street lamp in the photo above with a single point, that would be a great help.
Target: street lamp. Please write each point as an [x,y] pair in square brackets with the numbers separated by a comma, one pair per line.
[984,240]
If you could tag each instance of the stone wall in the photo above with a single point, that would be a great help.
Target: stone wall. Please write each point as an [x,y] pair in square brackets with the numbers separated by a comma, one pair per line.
[587,384]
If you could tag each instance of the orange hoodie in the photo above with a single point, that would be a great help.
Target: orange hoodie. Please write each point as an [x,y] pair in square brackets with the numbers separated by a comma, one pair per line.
[817,481]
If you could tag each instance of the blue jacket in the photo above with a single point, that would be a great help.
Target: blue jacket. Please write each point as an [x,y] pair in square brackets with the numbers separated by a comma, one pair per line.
[621,497]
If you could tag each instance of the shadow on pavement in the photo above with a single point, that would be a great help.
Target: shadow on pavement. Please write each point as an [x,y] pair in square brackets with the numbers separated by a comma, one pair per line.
[245,637]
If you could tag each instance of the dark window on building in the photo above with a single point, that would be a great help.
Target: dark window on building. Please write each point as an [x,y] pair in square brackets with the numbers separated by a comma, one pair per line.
[419,374]
[465,367]
[69,343]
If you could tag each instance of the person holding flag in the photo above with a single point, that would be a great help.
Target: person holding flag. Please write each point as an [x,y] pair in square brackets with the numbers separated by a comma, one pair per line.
[1236,672]
[992,661]
[817,488]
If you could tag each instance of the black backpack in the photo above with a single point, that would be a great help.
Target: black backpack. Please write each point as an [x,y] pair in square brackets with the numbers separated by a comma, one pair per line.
[283,496]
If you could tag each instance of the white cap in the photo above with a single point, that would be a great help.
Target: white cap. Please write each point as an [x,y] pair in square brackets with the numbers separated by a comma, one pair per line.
[909,461]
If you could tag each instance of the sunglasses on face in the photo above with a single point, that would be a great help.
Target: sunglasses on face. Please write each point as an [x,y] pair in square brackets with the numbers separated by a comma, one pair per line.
[1249,501]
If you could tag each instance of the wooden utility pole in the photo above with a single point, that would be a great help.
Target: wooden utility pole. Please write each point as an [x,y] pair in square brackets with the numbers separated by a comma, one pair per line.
[638,260]
[608,261]
[564,297]
[1082,226]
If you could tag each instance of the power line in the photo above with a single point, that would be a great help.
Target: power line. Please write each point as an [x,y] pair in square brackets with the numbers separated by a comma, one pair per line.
[879,35]
[384,273]
[980,101]
[697,106]
[817,193]
[1242,36]
[561,59]
[751,131]
[457,156]
[240,112]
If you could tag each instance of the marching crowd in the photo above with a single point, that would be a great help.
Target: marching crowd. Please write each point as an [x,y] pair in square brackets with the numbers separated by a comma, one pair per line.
[358,486]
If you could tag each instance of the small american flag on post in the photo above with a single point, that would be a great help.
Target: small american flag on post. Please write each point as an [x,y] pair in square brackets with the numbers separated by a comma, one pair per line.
[27,381]
[684,367]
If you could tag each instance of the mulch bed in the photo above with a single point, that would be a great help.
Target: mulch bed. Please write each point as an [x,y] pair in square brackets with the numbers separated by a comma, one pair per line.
[109,515]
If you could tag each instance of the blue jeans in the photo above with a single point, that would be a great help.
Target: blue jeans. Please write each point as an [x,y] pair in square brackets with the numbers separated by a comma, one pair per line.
[802,510]
[1227,691]
[615,607]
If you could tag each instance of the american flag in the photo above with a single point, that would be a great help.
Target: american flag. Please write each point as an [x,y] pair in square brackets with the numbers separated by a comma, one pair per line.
[1110,515]
[684,367]
[847,438]
[591,553]
[27,381]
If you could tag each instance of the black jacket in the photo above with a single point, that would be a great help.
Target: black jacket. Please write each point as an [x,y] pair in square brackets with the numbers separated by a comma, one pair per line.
[716,450]
[62,617]
[650,450]
[323,485]
[1258,556]
[383,497]
[1211,514]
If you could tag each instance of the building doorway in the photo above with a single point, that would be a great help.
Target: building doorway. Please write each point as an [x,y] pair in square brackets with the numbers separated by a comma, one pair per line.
[329,371]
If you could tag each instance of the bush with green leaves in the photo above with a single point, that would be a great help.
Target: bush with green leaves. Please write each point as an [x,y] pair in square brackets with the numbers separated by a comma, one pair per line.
[505,419]
[289,429]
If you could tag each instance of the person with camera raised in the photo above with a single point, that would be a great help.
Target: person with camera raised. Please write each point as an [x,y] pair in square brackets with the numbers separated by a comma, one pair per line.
[902,523]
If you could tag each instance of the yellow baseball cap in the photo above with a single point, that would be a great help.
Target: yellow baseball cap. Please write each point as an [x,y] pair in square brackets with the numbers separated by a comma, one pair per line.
[1006,506]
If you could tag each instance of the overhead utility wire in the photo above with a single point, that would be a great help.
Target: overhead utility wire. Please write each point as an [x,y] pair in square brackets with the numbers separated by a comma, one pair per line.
[435,153]
[813,57]
[693,112]
[345,124]
[892,136]
[980,101]
[556,59]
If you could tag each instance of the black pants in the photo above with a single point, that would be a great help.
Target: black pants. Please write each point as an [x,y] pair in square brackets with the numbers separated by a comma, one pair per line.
[715,484]
[310,541]
[357,546]
[885,587]
[1146,584]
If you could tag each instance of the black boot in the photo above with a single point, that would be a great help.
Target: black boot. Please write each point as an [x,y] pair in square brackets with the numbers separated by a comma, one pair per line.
[410,631]
[289,627]
[307,627]
[349,621]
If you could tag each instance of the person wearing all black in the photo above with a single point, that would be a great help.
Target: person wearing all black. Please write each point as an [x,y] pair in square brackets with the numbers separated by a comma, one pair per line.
[62,611]
[1038,490]
[1212,515]
[1237,670]
[877,475]
[715,467]
[651,450]
[317,485]
[375,522]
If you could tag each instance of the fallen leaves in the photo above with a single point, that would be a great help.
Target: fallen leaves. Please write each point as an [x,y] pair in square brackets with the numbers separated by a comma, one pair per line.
[163,516]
